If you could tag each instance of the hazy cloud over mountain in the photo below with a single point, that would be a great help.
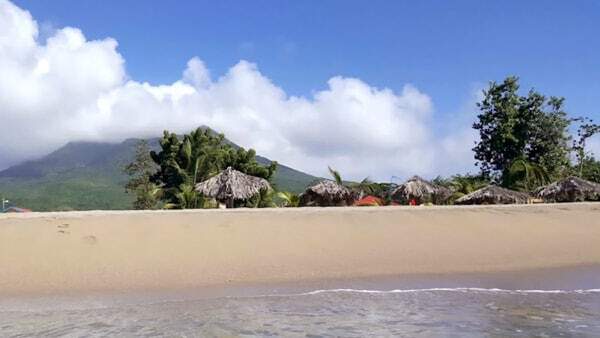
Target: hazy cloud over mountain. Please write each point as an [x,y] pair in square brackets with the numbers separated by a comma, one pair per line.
[69,88]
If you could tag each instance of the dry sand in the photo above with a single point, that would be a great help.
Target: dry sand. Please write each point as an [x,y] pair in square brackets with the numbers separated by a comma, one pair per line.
[43,253]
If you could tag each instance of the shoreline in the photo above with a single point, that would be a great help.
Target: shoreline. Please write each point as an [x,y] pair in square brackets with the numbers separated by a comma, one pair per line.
[63,253]
[584,279]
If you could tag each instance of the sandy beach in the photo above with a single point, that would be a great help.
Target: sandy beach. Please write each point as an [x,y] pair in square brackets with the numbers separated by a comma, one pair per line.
[45,253]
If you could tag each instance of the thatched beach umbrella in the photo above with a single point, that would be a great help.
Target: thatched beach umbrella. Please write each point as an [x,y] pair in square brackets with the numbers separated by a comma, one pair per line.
[327,194]
[422,191]
[493,194]
[570,189]
[232,185]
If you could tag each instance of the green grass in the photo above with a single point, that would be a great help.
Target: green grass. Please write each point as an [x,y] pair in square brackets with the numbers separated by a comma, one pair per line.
[77,190]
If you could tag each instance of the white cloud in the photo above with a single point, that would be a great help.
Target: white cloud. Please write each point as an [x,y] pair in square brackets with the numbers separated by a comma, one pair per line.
[68,88]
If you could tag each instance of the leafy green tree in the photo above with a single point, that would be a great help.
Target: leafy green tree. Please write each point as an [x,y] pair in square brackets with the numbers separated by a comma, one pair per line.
[548,146]
[511,127]
[587,128]
[140,170]
[245,161]
[589,169]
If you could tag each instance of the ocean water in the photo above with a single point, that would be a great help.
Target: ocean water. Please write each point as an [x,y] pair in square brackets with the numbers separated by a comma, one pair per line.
[434,312]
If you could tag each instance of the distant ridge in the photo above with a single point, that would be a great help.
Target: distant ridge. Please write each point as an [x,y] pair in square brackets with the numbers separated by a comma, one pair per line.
[88,176]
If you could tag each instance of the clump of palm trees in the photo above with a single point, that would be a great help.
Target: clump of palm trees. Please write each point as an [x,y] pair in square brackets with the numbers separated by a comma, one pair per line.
[167,176]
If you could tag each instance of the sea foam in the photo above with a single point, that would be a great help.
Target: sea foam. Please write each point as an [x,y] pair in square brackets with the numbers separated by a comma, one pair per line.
[458,289]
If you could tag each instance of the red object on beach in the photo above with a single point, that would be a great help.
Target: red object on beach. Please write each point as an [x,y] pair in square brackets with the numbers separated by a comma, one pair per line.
[413,202]
[369,201]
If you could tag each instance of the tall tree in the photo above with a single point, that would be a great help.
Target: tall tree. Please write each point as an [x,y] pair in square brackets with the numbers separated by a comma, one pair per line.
[587,128]
[512,128]
[169,176]
[140,170]
[548,145]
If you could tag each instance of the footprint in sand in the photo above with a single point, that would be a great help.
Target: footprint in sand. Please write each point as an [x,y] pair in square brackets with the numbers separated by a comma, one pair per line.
[62,229]
[91,239]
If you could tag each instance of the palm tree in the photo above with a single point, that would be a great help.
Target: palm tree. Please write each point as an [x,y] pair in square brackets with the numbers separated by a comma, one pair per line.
[362,188]
[147,197]
[467,184]
[289,199]
[336,176]
[200,155]
[328,192]
[367,187]
[525,175]
[461,185]
[188,198]
[264,199]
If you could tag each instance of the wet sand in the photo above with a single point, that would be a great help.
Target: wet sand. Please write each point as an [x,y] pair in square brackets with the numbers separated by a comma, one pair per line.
[541,302]
[121,252]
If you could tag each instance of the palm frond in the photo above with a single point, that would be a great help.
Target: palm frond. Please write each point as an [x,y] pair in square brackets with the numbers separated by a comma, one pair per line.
[289,199]
[335,175]
[525,175]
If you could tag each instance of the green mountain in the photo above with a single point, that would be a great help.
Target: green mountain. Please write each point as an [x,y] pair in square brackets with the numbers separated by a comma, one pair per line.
[88,176]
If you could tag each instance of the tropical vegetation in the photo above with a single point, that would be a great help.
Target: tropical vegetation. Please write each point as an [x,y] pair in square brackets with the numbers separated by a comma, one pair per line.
[524,143]
[183,162]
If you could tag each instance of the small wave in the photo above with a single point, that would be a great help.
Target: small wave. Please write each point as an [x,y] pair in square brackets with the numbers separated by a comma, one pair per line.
[460,289]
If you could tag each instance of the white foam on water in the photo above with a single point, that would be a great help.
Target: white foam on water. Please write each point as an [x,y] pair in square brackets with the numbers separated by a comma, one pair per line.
[459,289]
[73,304]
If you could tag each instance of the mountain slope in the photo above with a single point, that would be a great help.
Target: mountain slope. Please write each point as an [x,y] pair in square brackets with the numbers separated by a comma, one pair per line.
[88,175]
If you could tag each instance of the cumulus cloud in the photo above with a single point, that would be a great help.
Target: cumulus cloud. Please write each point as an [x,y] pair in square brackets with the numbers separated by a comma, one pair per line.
[69,88]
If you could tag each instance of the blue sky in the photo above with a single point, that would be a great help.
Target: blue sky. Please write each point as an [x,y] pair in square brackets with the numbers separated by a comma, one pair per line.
[374,88]
[444,48]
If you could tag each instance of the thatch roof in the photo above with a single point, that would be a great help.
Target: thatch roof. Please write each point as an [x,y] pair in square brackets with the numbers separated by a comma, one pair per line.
[570,189]
[326,194]
[493,194]
[231,185]
[421,191]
